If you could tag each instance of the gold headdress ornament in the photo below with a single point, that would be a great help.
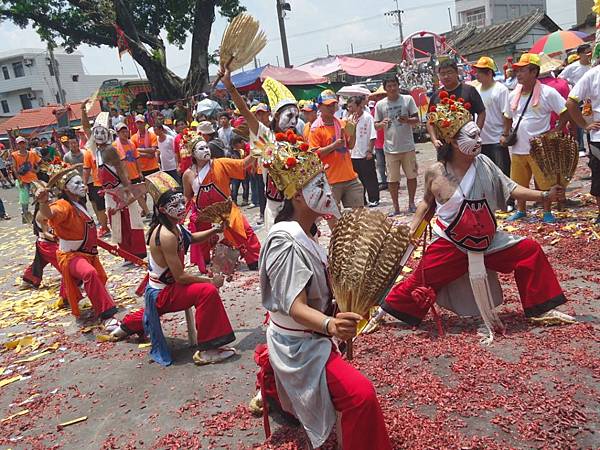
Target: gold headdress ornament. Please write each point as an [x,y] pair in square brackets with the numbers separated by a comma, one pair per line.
[449,115]
[60,178]
[190,138]
[278,94]
[160,183]
[290,162]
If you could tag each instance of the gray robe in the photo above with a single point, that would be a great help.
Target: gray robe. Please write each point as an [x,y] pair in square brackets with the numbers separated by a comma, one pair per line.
[490,183]
[289,263]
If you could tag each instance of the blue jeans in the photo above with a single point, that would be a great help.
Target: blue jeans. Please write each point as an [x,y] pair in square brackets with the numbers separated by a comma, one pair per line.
[257,186]
[2,210]
[380,164]
[235,188]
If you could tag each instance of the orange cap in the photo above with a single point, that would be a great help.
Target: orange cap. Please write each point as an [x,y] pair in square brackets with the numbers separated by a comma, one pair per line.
[485,62]
[528,58]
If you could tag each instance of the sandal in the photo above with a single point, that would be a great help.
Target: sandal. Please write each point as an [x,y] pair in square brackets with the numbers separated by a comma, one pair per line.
[213,356]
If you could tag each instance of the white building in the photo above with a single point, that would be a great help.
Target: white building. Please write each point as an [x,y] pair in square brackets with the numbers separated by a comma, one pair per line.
[492,12]
[28,80]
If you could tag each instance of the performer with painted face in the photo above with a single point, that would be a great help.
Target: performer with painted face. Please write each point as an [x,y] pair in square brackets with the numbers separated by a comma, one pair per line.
[313,381]
[285,117]
[208,181]
[466,188]
[77,253]
[170,288]
[125,223]
[46,246]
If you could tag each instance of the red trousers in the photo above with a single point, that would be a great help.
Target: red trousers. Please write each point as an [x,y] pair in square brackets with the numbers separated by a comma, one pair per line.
[249,247]
[81,270]
[132,240]
[353,395]
[212,324]
[444,262]
[45,253]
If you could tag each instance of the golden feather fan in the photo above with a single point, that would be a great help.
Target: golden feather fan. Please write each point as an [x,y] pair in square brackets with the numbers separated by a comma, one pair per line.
[241,42]
[216,213]
[365,255]
[557,155]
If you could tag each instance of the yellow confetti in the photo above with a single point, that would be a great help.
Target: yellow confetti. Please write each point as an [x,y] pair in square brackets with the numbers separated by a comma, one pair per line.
[105,338]
[145,345]
[510,229]
[406,269]
[33,358]
[20,413]
[555,241]
[10,380]
[72,422]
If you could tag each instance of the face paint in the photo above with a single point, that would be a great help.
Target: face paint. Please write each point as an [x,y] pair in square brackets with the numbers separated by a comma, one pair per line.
[288,117]
[318,196]
[469,139]
[101,134]
[201,151]
[175,207]
[76,187]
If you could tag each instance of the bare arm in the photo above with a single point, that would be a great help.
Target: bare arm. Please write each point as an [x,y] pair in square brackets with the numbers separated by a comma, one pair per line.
[239,101]
[85,120]
[249,161]
[577,116]
[44,208]
[201,236]
[168,247]
[425,205]
[86,176]
[342,326]
[188,191]
[563,120]
[412,120]
[481,120]
[526,194]
[433,135]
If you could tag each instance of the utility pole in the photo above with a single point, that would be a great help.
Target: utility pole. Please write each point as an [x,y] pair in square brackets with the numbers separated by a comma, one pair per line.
[398,13]
[351,48]
[283,6]
[450,17]
[328,54]
[61,93]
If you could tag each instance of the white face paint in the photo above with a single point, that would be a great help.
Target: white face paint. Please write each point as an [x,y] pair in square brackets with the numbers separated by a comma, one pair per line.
[175,207]
[318,196]
[288,117]
[469,139]
[101,134]
[76,187]
[201,151]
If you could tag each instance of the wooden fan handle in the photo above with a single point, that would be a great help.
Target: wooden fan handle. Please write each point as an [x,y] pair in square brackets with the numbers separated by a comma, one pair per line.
[214,85]
[349,350]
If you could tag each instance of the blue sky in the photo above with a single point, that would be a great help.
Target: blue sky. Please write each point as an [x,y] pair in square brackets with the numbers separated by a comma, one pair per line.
[311,26]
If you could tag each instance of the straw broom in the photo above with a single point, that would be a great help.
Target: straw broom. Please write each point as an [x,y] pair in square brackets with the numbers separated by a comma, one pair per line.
[365,254]
[557,155]
[241,42]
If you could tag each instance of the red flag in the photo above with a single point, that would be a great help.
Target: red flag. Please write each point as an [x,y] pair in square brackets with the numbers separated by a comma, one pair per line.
[122,45]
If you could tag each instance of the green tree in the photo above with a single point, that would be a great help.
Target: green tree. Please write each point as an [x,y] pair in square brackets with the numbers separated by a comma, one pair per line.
[70,23]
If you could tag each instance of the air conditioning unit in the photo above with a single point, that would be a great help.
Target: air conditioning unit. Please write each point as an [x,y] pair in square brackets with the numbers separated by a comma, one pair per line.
[31,96]
[28,62]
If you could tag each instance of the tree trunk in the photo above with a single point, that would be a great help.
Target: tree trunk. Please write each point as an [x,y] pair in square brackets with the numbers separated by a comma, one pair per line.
[197,77]
[165,84]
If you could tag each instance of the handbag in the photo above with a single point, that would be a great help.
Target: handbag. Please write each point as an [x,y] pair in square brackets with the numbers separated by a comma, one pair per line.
[512,137]
[25,167]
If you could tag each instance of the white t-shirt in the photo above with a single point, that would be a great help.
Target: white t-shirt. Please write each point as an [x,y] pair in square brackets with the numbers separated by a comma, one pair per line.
[167,153]
[115,120]
[496,104]
[574,72]
[365,132]
[588,88]
[398,137]
[536,119]
[226,134]
[167,113]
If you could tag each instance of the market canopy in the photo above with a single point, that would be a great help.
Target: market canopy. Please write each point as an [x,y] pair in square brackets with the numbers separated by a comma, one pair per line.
[359,67]
[252,79]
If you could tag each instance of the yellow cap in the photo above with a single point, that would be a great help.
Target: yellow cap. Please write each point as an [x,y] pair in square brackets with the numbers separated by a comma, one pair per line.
[485,62]
[528,58]
[572,58]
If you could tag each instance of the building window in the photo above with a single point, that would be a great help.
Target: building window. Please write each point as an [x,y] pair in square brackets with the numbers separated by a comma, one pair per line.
[75,78]
[5,108]
[25,101]
[475,17]
[18,69]
[6,73]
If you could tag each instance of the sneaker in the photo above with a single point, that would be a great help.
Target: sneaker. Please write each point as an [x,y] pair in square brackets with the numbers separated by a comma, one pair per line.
[252,205]
[260,221]
[582,153]
[253,266]
[412,209]
[111,325]
[548,217]
[212,356]
[393,213]
[373,204]
[5,217]
[103,232]
[553,317]
[517,215]
[244,203]
[510,208]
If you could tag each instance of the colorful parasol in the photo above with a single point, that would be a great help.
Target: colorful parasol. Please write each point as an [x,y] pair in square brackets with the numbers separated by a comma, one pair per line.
[556,42]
